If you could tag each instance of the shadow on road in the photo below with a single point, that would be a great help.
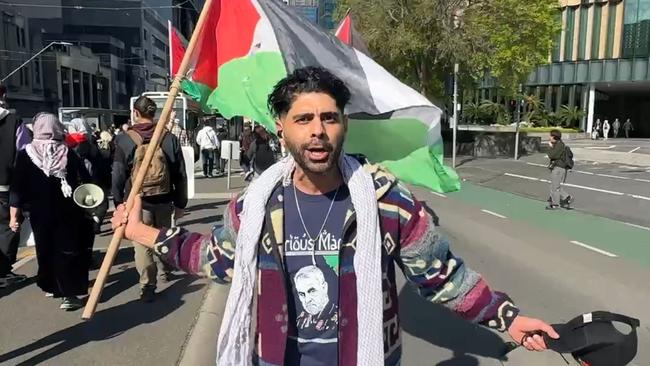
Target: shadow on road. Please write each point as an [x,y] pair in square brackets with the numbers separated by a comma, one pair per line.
[11,289]
[443,328]
[106,324]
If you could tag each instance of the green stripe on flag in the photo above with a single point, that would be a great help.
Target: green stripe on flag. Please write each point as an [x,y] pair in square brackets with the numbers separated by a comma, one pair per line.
[401,145]
[425,167]
[245,84]
[197,91]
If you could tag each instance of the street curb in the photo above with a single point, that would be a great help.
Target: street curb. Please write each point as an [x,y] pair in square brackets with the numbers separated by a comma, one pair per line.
[201,345]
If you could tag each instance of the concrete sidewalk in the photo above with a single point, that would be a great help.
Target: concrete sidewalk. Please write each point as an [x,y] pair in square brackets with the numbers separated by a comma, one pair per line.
[124,331]
[611,157]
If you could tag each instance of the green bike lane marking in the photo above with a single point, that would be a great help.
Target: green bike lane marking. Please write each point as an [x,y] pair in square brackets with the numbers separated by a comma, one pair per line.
[603,233]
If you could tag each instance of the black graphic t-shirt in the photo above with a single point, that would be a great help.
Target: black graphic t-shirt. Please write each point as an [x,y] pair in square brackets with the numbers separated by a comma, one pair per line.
[313,270]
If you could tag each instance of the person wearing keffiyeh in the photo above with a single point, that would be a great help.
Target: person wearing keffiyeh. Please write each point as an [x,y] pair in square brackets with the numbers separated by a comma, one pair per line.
[312,247]
[46,174]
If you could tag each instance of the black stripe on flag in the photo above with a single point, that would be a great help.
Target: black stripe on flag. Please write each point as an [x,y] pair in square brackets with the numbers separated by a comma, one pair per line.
[304,44]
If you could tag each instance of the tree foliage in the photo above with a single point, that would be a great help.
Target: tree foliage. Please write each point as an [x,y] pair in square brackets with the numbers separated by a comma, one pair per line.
[420,40]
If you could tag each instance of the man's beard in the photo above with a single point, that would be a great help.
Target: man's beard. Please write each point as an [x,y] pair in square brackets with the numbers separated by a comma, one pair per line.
[298,153]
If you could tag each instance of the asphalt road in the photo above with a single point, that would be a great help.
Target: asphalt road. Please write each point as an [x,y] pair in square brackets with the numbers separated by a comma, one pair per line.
[633,146]
[615,191]
[124,331]
[520,249]
[546,275]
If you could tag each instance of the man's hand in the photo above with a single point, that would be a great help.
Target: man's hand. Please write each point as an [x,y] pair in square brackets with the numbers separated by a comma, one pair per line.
[14,225]
[525,331]
[132,219]
[550,143]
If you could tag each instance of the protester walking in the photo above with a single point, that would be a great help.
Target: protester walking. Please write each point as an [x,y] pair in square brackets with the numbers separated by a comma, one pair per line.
[627,128]
[208,142]
[260,154]
[606,128]
[595,130]
[47,173]
[9,233]
[561,160]
[245,142]
[164,189]
[310,250]
[615,127]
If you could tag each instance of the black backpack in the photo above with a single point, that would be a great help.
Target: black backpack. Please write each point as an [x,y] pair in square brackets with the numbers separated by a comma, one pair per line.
[568,157]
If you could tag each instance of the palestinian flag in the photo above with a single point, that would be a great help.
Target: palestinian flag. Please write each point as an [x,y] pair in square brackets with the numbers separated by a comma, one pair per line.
[247,46]
[349,35]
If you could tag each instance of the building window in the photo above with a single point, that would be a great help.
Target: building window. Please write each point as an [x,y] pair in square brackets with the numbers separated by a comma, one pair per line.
[76,87]
[87,89]
[145,36]
[582,38]
[65,87]
[611,29]
[636,29]
[595,32]
[568,33]
[557,43]
[37,71]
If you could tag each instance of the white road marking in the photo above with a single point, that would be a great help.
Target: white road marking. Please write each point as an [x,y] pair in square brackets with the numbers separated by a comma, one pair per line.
[521,176]
[579,187]
[22,262]
[600,147]
[535,164]
[594,189]
[637,226]
[613,176]
[642,180]
[600,251]
[634,150]
[641,197]
[582,172]
[438,194]
[494,214]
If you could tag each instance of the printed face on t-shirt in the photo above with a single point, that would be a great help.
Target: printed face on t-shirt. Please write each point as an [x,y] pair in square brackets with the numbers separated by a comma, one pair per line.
[312,289]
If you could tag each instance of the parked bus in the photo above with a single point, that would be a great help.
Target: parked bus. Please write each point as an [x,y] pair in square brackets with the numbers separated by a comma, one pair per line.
[102,118]
[187,110]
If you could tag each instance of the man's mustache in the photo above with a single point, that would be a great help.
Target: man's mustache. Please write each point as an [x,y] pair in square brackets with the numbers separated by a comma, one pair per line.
[318,144]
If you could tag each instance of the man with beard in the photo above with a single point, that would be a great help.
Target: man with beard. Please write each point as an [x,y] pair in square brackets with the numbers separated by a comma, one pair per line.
[352,221]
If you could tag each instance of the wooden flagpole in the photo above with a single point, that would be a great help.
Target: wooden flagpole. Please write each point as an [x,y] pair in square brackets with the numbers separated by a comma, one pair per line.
[114,246]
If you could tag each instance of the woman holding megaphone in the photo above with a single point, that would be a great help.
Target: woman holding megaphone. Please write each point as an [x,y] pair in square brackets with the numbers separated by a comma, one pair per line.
[45,177]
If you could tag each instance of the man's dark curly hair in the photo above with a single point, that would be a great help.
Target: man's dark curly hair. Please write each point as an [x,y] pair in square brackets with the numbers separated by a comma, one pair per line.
[310,79]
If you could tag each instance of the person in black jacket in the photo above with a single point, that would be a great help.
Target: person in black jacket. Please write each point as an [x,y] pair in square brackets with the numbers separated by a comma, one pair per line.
[559,169]
[9,237]
[260,153]
[157,209]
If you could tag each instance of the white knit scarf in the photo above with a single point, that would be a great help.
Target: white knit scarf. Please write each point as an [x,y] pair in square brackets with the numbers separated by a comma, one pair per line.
[236,340]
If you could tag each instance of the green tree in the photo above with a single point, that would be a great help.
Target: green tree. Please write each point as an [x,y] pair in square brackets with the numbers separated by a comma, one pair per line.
[420,40]
[570,116]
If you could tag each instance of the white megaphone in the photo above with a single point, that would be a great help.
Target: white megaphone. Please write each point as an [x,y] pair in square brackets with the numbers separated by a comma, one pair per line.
[89,196]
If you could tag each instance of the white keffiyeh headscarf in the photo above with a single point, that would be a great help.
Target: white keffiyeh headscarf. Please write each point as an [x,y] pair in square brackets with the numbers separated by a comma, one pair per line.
[236,342]
[47,150]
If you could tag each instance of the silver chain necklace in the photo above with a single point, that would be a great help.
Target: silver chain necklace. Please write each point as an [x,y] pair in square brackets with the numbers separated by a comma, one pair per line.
[313,240]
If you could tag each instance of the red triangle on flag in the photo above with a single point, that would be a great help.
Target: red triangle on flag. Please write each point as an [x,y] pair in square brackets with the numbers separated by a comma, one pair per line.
[176,50]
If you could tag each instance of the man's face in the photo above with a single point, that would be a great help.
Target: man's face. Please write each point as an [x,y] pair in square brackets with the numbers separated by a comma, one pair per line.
[314,131]
[312,292]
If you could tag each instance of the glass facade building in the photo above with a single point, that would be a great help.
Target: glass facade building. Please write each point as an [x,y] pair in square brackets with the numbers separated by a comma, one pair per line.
[600,62]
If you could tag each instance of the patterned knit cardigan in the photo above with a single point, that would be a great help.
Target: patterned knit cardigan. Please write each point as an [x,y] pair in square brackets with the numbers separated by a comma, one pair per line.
[410,240]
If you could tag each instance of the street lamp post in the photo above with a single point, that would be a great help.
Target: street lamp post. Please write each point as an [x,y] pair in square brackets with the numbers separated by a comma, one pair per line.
[33,57]
[455,117]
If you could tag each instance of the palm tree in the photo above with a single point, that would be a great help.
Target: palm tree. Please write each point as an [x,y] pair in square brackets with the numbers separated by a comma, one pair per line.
[495,112]
[570,116]
[471,112]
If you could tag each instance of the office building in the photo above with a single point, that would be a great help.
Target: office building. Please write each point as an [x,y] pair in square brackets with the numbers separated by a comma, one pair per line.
[600,63]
